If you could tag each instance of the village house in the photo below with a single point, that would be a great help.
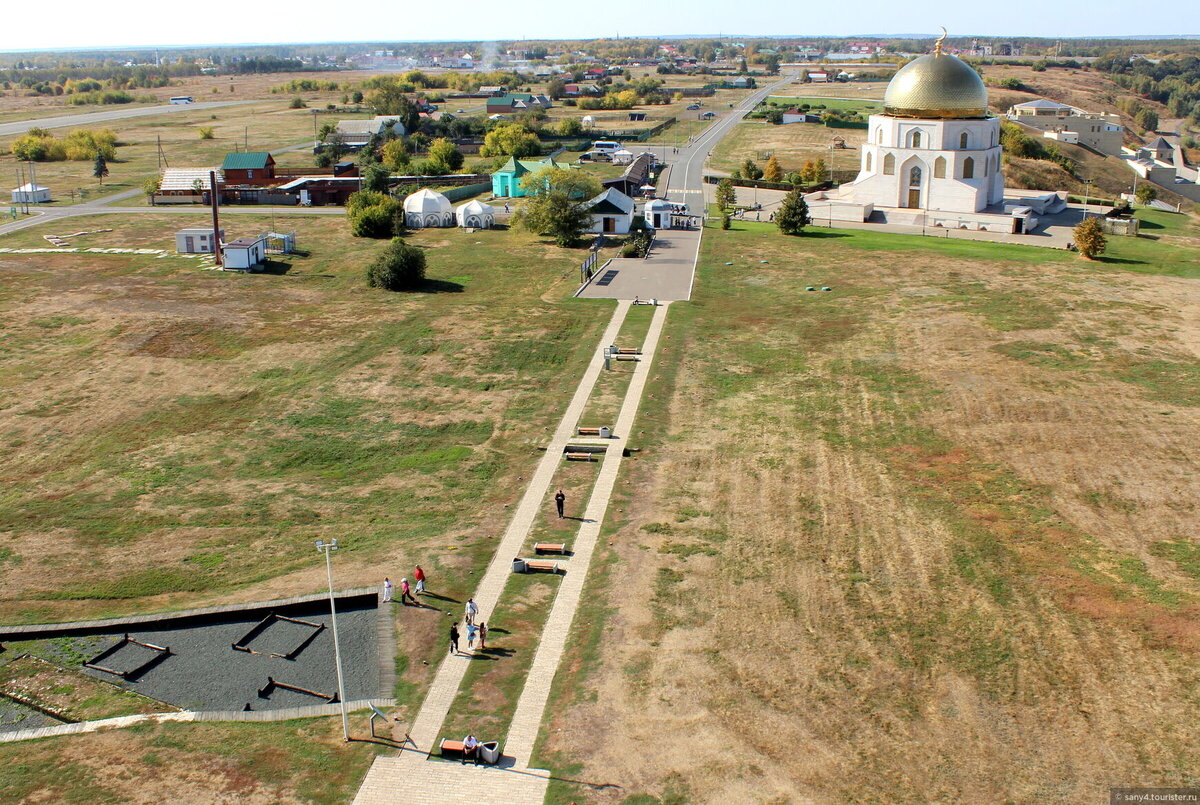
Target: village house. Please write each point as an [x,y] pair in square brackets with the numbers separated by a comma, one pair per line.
[506,182]
[516,102]
[248,168]
[612,213]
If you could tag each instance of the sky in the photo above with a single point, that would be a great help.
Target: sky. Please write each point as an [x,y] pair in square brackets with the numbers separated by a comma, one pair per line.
[76,24]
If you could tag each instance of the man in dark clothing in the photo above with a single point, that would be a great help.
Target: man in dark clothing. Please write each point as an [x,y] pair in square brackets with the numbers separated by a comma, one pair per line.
[454,638]
[559,500]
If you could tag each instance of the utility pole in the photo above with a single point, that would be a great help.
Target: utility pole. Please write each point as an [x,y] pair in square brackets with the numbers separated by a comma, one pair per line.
[328,548]
[217,253]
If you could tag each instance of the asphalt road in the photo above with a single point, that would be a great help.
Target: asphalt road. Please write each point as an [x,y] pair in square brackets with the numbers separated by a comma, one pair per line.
[119,113]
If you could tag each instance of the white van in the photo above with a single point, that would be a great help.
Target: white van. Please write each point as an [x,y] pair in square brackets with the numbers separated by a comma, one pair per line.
[183,99]
[606,145]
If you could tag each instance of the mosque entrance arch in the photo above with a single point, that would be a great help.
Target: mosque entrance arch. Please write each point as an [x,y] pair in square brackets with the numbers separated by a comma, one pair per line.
[913,180]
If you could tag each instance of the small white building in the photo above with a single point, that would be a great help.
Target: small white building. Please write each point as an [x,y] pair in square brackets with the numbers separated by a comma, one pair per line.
[197,240]
[31,194]
[622,157]
[244,253]
[659,213]
[612,213]
[476,215]
[427,208]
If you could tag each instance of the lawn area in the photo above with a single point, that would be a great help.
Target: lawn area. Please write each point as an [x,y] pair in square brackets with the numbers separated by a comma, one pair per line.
[792,144]
[864,106]
[259,126]
[933,524]
[285,762]
[186,434]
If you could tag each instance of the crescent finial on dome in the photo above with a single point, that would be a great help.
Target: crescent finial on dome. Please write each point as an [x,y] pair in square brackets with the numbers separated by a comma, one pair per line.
[937,48]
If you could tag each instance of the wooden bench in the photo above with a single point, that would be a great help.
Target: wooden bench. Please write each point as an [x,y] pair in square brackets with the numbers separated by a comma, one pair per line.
[629,351]
[534,566]
[588,431]
[550,547]
[626,357]
[450,748]
[580,456]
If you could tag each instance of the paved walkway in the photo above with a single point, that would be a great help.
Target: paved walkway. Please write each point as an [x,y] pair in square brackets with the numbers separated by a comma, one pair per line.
[411,775]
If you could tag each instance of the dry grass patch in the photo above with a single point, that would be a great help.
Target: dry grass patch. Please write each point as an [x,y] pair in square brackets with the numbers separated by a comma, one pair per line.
[889,551]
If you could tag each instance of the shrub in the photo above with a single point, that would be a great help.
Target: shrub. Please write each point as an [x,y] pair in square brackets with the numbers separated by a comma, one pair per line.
[792,216]
[298,103]
[1089,238]
[206,133]
[400,268]
[725,222]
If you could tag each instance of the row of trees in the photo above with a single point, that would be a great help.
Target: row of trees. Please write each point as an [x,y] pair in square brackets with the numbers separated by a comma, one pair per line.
[39,145]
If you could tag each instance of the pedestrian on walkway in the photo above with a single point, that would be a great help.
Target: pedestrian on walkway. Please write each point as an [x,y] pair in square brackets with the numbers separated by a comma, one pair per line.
[419,576]
[559,500]
[472,611]
[470,637]
[406,594]
[387,590]
[482,636]
[454,638]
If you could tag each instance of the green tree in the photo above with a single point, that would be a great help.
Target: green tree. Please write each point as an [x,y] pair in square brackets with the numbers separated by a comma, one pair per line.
[1089,238]
[375,177]
[395,155]
[100,168]
[150,187]
[1145,193]
[792,215]
[570,127]
[557,203]
[773,173]
[774,115]
[751,170]
[388,99]
[1147,119]
[400,267]
[374,214]
[726,195]
[445,152]
[298,103]
[510,139]
[820,170]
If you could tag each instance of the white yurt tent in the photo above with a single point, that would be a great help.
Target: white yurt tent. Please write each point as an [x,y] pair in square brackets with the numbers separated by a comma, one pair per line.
[588,121]
[622,157]
[476,215]
[426,208]
[31,194]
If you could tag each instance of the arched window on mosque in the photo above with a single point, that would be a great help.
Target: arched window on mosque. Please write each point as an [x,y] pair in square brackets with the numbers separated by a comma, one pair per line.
[962,141]
[914,140]
[969,168]
[914,176]
[987,164]
[869,162]
[939,168]
[889,165]
[879,135]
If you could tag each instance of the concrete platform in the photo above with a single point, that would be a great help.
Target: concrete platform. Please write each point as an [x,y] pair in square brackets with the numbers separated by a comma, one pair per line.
[666,275]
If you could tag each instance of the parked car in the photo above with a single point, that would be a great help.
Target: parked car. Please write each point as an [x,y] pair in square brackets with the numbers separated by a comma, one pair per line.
[693,107]
[1180,180]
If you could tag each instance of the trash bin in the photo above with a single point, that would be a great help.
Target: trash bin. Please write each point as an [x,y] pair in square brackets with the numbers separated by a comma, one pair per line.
[519,566]
[605,433]
[489,752]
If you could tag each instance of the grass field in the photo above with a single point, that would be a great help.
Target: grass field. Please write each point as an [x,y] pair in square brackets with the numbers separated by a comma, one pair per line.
[792,144]
[260,126]
[286,762]
[926,537]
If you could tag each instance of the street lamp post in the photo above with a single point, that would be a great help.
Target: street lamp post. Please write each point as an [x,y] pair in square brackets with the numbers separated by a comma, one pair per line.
[328,548]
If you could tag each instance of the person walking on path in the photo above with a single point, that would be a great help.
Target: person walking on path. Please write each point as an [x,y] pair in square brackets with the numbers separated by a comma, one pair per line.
[472,611]
[406,593]
[559,500]
[470,637]
[387,590]
[419,576]
[482,636]
[454,638]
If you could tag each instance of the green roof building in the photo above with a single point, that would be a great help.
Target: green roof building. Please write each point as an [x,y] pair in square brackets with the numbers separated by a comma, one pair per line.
[506,182]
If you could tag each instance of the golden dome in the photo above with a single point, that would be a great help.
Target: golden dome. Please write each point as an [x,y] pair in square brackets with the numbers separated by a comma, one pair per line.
[937,86]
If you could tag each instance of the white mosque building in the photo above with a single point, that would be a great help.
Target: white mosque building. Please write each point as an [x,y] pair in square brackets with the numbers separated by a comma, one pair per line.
[933,157]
